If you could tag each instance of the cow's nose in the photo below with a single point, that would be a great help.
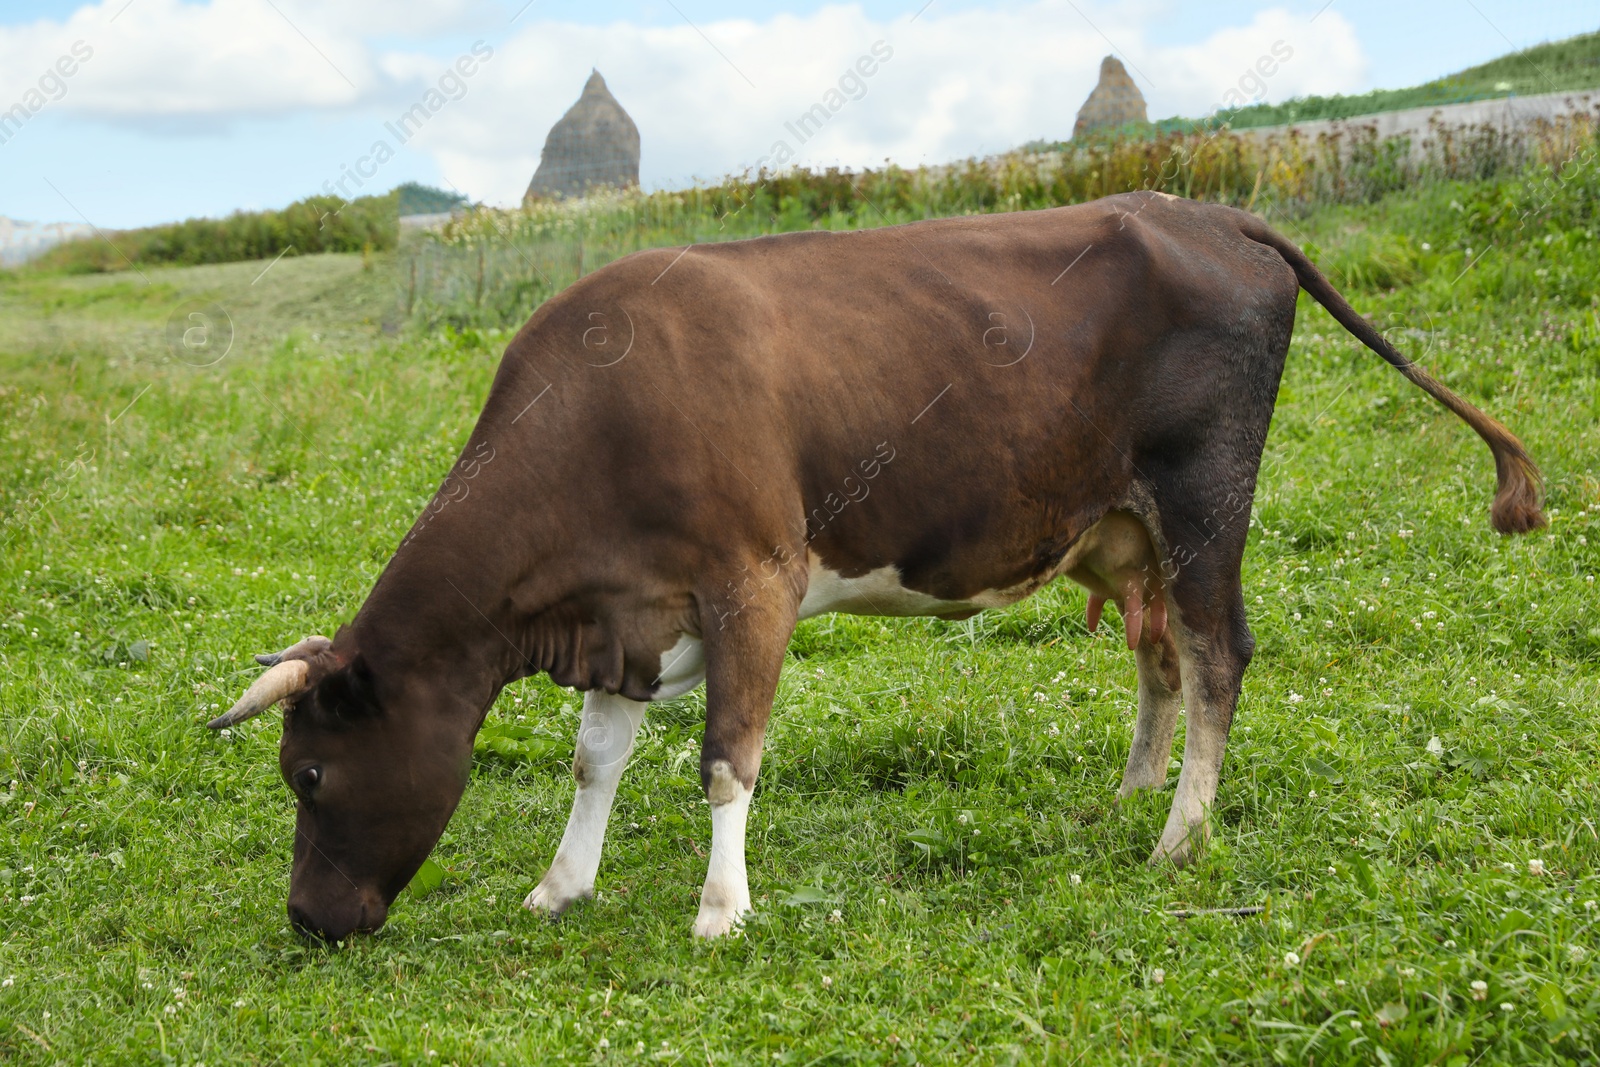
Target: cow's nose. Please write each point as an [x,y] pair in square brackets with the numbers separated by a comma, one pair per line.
[329,929]
[302,922]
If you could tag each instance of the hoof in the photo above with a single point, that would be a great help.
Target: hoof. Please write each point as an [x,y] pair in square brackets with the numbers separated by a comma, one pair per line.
[716,923]
[553,900]
[1182,850]
[1127,788]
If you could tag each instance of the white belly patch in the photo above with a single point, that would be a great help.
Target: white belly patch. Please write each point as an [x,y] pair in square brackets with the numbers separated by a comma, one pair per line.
[881,592]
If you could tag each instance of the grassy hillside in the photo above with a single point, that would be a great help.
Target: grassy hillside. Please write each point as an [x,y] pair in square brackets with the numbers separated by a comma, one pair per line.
[1410,797]
[1546,68]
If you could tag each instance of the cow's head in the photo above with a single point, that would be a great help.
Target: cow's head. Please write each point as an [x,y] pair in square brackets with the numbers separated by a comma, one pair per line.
[377,766]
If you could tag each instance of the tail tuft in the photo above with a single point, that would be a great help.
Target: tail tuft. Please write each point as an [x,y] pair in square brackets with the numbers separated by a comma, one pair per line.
[1517,503]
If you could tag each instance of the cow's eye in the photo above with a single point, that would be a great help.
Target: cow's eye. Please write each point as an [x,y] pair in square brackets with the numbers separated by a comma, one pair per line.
[307,780]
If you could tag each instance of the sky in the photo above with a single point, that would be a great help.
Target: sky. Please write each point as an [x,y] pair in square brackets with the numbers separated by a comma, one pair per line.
[178,109]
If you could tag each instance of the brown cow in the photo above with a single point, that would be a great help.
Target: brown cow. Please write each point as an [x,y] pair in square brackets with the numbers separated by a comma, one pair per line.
[686,452]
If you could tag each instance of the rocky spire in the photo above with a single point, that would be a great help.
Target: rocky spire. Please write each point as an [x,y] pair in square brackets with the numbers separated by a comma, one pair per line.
[1115,101]
[595,144]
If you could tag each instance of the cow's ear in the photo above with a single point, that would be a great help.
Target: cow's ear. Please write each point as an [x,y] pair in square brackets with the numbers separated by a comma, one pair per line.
[348,693]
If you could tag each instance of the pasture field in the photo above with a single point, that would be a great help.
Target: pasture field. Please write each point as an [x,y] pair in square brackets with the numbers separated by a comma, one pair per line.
[941,876]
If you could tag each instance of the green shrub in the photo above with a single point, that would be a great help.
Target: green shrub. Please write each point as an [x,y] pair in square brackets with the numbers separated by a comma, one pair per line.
[315,224]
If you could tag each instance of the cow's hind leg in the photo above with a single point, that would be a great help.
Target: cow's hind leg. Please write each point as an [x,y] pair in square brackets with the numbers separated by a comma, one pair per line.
[605,741]
[1116,559]
[1214,647]
[1159,700]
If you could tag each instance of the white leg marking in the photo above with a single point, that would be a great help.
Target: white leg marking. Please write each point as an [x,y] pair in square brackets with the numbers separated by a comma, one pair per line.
[726,896]
[1204,740]
[605,740]
[1153,730]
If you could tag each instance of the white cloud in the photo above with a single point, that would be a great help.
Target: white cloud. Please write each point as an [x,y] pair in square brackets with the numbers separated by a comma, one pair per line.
[160,60]
[959,83]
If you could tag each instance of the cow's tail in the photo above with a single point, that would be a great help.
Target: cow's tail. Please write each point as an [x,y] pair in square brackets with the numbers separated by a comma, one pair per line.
[1517,502]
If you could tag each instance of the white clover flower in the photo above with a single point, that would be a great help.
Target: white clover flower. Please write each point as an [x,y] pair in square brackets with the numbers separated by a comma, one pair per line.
[1480,990]
[1507,1006]
[826,981]
[1291,959]
[1408,972]
[1340,982]
[1158,976]
[1536,866]
[1576,953]
[836,916]
[1355,1024]
[604,1044]
[1077,879]
[1295,698]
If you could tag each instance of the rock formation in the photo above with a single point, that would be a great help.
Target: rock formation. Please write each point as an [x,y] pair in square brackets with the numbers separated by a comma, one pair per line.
[595,144]
[1115,101]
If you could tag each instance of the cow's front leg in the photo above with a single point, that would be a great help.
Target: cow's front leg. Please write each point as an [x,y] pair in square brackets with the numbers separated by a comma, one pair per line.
[742,666]
[605,740]
[726,896]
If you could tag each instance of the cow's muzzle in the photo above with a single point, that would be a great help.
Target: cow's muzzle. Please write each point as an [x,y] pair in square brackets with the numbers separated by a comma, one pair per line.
[362,913]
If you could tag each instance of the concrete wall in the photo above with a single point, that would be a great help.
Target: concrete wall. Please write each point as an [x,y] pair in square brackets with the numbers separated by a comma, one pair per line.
[1507,114]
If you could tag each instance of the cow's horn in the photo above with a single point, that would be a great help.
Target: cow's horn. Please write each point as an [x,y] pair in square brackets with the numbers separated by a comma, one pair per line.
[285,678]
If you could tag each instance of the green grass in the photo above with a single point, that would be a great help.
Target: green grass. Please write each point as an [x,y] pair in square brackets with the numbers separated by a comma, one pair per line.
[1552,67]
[1418,725]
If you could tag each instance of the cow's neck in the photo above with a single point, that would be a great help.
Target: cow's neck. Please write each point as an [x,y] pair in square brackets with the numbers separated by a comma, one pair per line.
[441,611]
